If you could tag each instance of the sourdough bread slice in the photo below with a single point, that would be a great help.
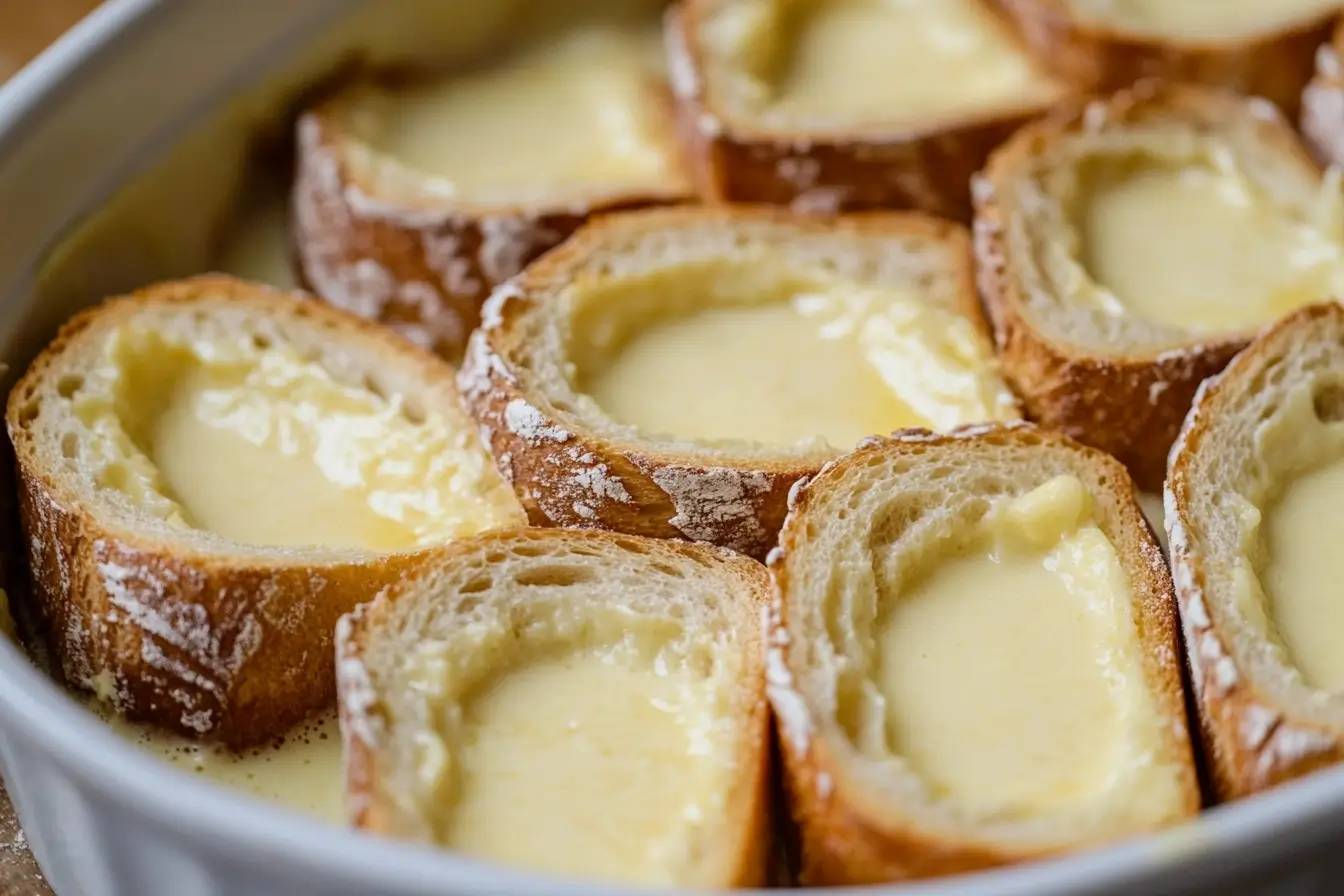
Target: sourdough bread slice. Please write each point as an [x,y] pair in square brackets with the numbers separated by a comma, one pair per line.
[830,106]
[974,658]
[1261,49]
[211,472]
[573,702]
[672,372]
[1233,222]
[416,193]
[1248,504]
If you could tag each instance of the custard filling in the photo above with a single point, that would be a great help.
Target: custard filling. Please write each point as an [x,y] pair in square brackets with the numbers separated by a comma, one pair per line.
[1199,18]
[850,63]
[1009,675]
[255,443]
[1217,253]
[581,111]
[771,355]
[1286,584]
[586,756]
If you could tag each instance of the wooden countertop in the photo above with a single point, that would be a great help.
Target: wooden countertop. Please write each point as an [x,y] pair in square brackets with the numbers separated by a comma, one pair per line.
[26,27]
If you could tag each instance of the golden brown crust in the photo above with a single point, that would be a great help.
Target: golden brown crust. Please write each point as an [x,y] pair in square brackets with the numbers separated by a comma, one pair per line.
[749,807]
[1129,404]
[924,169]
[1251,741]
[567,475]
[1323,102]
[421,270]
[236,648]
[1275,65]
[849,837]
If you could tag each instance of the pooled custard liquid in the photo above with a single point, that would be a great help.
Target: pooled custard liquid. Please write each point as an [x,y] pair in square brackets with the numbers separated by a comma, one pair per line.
[302,772]
[885,60]
[599,759]
[1216,253]
[1012,675]
[832,360]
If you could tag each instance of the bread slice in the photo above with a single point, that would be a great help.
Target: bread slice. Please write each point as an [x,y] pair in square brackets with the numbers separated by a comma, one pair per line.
[1262,48]
[846,106]
[416,193]
[211,472]
[1323,102]
[1251,505]
[974,657]
[1232,220]
[672,372]
[573,702]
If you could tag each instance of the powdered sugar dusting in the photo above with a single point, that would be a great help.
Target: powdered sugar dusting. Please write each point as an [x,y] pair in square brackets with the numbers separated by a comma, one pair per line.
[354,688]
[716,504]
[529,424]
[794,720]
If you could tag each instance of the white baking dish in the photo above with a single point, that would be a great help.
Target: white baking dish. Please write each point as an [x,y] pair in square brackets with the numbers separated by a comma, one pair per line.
[161,95]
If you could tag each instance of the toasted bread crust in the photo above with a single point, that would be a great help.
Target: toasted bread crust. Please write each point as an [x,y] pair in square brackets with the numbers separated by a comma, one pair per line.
[1252,743]
[1323,102]
[232,648]
[847,837]
[928,170]
[1129,405]
[576,479]
[424,270]
[1275,65]
[362,730]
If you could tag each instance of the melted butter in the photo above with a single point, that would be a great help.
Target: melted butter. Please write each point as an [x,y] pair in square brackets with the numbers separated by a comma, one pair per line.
[599,763]
[579,110]
[879,61]
[1217,255]
[302,771]
[1303,574]
[835,360]
[258,445]
[1199,18]
[1012,674]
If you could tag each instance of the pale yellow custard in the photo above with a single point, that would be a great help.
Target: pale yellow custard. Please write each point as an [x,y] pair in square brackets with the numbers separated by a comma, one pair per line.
[1304,570]
[1201,247]
[302,771]
[572,113]
[597,762]
[853,63]
[258,246]
[1199,18]
[257,444]
[785,360]
[1012,671]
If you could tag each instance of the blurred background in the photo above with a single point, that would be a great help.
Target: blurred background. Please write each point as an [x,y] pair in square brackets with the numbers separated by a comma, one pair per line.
[26,26]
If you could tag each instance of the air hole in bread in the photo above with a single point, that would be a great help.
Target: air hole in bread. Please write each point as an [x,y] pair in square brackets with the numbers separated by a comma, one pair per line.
[524,549]
[373,387]
[554,576]
[29,412]
[477,585]
[1327,400]
[69,384]
[668,569]
[261,342]
[632,546]
[414,413]
[69,446]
